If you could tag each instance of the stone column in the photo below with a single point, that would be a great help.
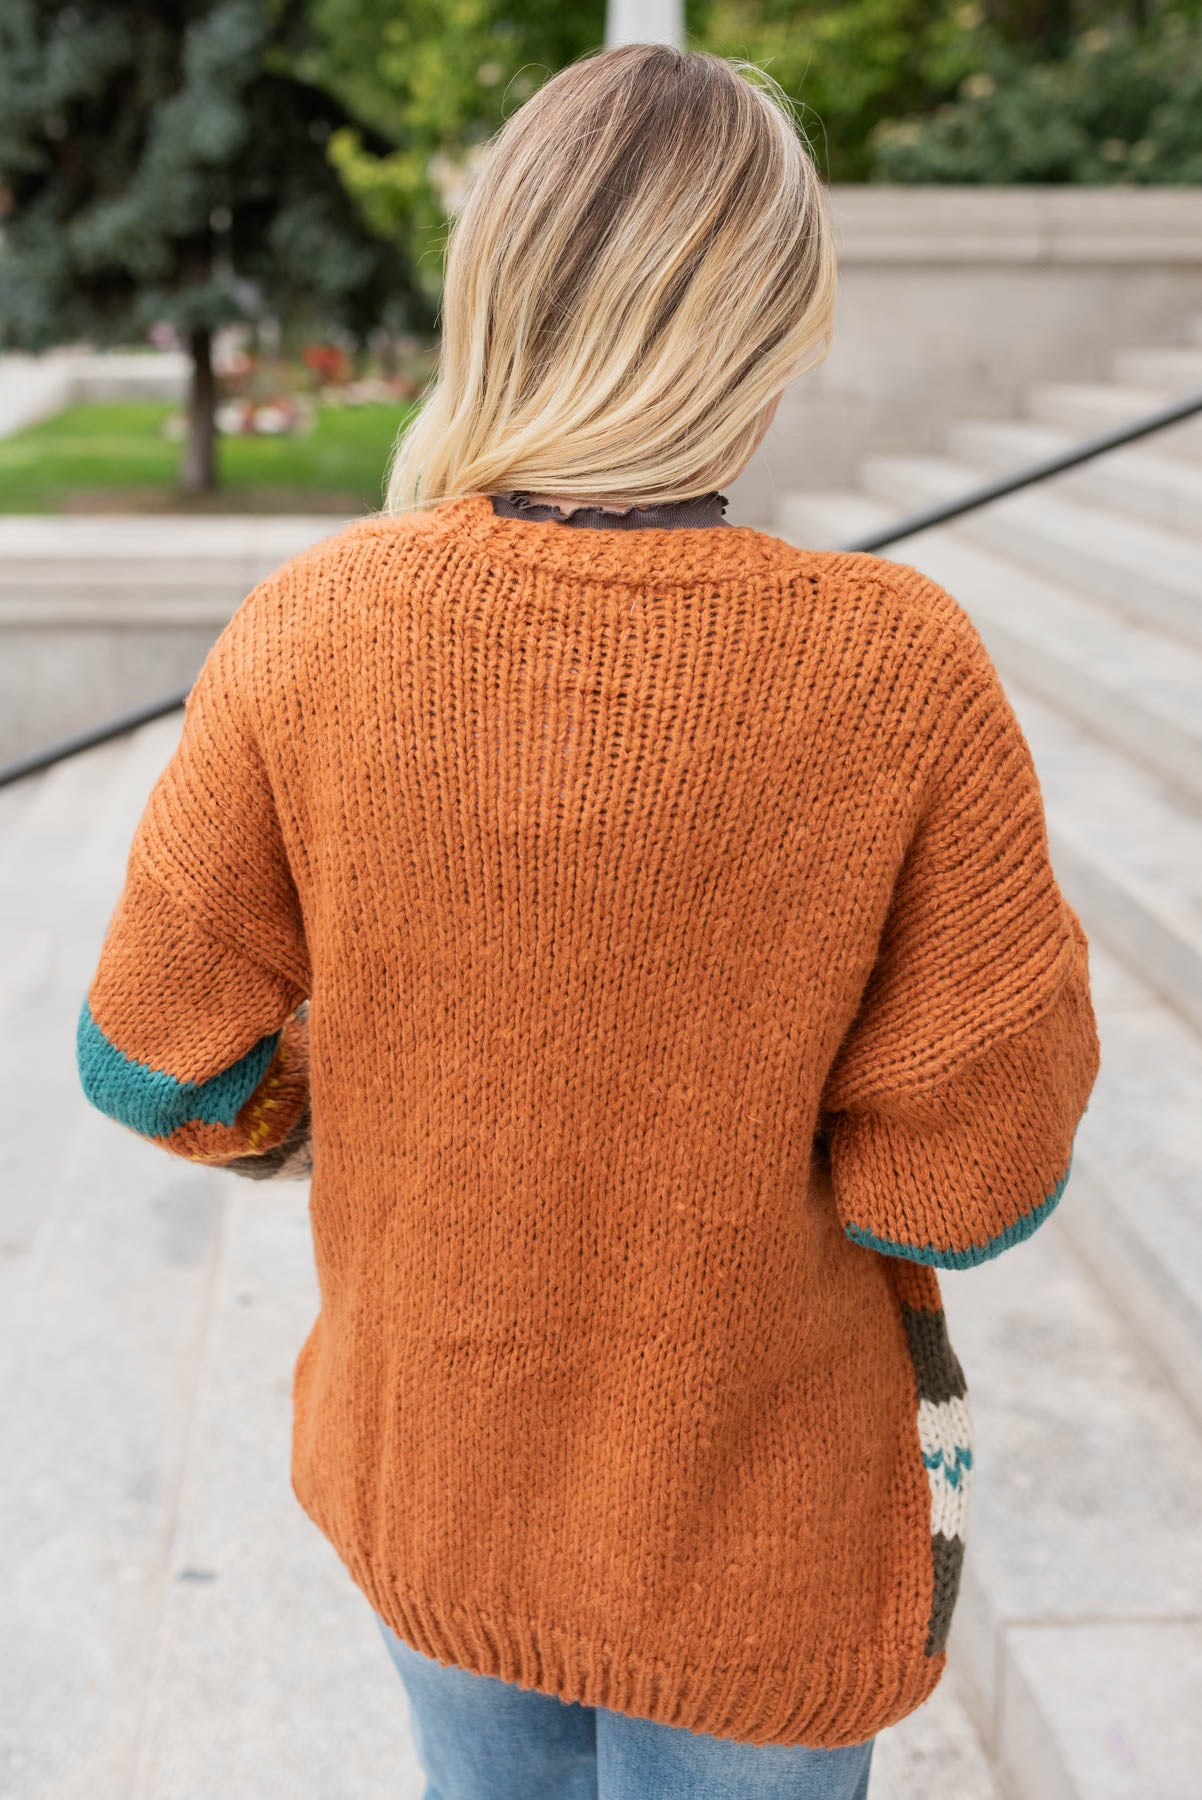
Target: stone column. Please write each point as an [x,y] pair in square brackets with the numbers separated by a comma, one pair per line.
[645,22]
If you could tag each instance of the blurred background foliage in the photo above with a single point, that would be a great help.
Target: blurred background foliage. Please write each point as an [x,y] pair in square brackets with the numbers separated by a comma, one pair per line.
[437,78]
[290,165]
[180,111]
[995,91]
[1117,101]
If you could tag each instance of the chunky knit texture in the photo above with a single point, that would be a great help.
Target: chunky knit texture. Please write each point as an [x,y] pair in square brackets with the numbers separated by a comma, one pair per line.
[687,979]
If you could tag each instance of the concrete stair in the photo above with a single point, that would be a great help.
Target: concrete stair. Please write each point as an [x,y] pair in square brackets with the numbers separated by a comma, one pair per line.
[1171,371]
[1161,489]
[114,570]
[1088,407]
[1141,571]
[159,1575]
[100,614]
[1079,1634]
[1139,687]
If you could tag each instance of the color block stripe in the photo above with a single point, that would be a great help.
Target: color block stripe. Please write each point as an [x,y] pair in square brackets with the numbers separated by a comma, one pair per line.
[937,1368]
[945,1435]
[947,1556]
[976,1253]
[157,1104]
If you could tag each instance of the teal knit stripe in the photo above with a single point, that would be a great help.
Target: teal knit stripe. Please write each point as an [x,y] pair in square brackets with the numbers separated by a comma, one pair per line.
[976,1253]
[154,1103]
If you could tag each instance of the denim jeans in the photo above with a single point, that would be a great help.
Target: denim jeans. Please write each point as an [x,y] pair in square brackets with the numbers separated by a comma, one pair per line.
[479,1738]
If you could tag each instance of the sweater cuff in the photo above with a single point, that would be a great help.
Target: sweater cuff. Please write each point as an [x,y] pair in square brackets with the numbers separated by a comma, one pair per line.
[954,1175]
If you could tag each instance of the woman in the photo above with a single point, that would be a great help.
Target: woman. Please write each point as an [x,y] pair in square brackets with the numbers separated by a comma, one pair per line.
[646,930]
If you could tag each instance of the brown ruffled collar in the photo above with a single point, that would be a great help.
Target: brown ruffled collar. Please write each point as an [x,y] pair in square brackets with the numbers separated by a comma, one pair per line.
[701,510]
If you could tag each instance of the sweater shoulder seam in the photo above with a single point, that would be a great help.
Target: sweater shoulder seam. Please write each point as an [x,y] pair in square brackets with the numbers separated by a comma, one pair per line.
[1069,959]
[197,918]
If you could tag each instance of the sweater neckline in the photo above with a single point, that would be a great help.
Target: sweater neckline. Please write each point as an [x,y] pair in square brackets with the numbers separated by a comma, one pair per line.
[676,553]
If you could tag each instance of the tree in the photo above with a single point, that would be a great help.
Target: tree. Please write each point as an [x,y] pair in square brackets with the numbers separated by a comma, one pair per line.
[1121,106]
[170,164]
[876,78]
[435,78]
[439,76]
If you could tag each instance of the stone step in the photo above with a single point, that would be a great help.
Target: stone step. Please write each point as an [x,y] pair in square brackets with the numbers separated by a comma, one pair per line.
[1086,408]
[1164,490]
[1143,572]
[1078,1630]
[60,875]
[98,1347]
[169,601]
[94,563]
[1084,1535]
[1175,372]
[1137,1225]
[1124,1723]
[261,1625]
[15,801]
[826,518]
[1127,845]
[1128,848]
[1131,686]
[53,807]
[75,823]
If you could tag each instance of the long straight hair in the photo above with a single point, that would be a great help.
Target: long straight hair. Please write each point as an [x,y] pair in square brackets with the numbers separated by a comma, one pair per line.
[643,262]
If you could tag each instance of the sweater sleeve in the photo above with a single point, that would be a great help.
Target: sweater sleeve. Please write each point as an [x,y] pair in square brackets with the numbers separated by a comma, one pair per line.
[952,1104]
[194,1029]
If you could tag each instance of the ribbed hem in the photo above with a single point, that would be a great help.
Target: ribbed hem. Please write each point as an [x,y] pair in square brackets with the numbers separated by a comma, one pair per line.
[846,1702]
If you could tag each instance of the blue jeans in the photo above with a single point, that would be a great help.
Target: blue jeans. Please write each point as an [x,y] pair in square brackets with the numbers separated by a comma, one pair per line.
[479,1738]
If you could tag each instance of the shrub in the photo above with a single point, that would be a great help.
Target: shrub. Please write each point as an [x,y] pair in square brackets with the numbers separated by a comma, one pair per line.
[1121,106]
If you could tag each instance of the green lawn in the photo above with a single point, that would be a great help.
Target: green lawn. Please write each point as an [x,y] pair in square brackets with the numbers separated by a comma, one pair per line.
[113,457]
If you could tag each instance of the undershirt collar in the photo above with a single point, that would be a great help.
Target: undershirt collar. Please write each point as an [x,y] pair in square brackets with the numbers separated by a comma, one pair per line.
[704,509]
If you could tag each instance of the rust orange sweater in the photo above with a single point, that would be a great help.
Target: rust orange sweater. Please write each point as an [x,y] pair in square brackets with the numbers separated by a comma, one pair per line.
[686,983]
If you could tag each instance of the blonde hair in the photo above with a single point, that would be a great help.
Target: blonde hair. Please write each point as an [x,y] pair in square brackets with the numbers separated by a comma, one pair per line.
[643,262]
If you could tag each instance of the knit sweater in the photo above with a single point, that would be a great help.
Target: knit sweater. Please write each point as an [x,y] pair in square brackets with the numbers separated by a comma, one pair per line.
[687,983]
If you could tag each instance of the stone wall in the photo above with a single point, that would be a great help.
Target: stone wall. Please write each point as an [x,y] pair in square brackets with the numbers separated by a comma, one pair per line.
[952,301]
[102,615]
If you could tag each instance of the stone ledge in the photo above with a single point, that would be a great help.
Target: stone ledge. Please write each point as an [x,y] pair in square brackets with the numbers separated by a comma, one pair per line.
[881,223]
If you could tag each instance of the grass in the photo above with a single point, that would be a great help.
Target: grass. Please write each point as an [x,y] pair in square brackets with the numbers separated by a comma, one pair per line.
[113,457]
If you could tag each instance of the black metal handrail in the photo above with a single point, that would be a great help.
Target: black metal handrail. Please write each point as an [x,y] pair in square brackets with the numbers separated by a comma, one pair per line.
[925,520]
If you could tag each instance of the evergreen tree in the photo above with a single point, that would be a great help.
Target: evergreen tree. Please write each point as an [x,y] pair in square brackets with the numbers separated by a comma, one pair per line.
[166,163]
